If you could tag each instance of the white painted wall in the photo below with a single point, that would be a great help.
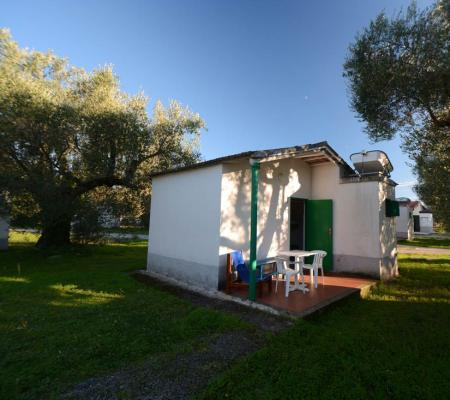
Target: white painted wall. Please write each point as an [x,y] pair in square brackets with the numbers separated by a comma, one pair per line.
[405,223]
[418,208]
[277,182]
[362,236]
[426,222]
[426,219]
[355,211]
[185,225]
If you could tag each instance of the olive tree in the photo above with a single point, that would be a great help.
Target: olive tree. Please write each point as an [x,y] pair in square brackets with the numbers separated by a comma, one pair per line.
[398,73]
[66,132]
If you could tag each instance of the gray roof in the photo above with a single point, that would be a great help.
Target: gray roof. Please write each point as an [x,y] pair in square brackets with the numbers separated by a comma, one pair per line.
[271,153]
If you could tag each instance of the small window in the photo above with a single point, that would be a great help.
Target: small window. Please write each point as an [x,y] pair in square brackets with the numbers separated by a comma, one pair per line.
[392,208]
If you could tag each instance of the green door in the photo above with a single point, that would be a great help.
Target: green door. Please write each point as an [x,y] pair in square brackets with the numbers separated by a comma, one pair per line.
[319,228]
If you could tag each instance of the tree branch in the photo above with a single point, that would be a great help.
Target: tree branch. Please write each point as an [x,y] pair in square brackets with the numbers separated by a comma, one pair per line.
[436,121]
[19,162]
[108,181]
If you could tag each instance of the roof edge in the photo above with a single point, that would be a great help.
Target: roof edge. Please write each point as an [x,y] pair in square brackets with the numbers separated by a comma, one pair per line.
[257,153]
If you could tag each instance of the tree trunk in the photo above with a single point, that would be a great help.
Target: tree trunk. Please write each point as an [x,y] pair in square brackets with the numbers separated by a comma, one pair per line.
[55,233]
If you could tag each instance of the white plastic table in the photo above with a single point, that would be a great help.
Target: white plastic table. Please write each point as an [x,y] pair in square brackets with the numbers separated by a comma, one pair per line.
[299,255]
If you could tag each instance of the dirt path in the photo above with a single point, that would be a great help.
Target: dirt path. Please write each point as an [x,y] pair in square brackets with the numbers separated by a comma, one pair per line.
[421,250]
[180,376]
[168,377]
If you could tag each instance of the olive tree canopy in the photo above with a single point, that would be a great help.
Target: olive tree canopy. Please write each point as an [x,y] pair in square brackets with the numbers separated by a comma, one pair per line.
[398,73]
[66,132]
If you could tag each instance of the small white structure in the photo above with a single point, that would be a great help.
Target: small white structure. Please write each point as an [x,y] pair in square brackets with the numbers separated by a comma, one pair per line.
[4,231]
[405,219]
[422,218]
[308,198]
[371,162]
[415,218]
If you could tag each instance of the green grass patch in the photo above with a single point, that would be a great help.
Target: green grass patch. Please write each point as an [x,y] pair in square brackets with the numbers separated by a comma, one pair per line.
[18,237]
[394,344]
[427,242]
[69,315]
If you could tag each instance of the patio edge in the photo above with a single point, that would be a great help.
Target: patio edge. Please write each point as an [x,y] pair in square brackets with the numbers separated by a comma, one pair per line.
[363,291]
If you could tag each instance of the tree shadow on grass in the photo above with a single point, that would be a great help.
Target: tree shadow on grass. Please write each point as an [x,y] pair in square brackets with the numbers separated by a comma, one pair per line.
[77,313]
[391,344]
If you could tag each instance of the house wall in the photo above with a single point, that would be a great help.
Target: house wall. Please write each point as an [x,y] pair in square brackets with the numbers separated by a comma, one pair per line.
[355,212]
[361,236]
[405,223]
[426,222]
[184,226]
[277,182]
[417,209]
[199,216]
[426,219]
[4,231]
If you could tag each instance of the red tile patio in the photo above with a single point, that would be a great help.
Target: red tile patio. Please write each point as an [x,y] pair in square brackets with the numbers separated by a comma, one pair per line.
[300,304]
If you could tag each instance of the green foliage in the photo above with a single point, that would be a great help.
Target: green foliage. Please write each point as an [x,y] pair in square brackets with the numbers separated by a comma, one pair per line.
[4,207]
[66,132]
[87,223]
[431,153]
[390,345]
[398,71]
[75,313]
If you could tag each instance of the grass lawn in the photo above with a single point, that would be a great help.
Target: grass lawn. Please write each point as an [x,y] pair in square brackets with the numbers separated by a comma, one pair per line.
[393,345]
[71,315]
[427,242]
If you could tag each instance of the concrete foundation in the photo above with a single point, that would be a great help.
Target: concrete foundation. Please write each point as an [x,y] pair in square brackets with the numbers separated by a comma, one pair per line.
[378,268]
[205,276]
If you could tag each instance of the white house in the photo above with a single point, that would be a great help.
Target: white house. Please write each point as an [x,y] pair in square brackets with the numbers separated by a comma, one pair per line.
[415,217]
[423,217]
[405,219]
[308,198]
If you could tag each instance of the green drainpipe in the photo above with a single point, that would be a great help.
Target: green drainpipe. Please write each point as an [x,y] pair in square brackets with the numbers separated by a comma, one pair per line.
[253,229]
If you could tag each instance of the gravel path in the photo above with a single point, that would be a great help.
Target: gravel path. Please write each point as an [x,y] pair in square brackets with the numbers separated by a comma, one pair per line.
[168,377]
[180,376]
[421,250]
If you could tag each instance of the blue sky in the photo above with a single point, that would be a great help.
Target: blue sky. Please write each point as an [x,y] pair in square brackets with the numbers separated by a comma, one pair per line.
[262,74]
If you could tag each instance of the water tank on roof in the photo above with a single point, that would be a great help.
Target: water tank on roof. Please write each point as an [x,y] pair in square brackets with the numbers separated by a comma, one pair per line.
[372,162]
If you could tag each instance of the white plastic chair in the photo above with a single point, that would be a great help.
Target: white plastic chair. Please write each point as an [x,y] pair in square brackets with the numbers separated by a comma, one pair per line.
[315,266]
[284,270]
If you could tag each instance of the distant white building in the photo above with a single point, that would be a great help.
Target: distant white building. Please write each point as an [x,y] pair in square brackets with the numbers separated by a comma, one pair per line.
[415,217]
[423,217]
[405,219]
